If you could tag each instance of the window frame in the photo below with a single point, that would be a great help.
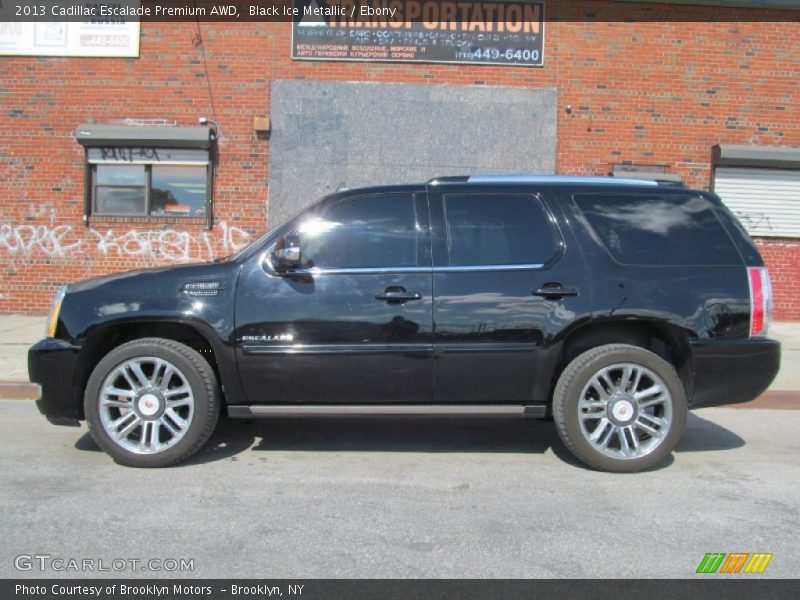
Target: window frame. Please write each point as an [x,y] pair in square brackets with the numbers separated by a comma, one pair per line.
[536,197]
[95,185]
[91,184]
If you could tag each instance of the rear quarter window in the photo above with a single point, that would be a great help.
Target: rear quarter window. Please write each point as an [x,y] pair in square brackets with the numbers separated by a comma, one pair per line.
[659,229]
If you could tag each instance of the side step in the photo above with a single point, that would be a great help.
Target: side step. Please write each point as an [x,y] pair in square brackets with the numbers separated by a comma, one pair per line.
[392,410]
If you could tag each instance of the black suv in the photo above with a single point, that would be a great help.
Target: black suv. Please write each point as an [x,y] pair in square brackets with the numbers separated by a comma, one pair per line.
[611,305]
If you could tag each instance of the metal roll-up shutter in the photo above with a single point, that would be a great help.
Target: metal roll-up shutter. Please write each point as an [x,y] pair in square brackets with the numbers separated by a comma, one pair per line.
[766,201]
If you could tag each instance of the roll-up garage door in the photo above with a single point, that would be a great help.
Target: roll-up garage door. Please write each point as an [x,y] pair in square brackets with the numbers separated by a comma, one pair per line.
[767,201]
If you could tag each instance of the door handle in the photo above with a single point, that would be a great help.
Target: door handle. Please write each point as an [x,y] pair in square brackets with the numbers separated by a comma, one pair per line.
[551,291]
[397,295]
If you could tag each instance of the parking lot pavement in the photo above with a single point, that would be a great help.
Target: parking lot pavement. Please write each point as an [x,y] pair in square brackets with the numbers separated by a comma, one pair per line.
[404,498]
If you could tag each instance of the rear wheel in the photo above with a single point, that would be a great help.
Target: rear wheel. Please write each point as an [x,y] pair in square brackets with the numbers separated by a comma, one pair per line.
[151,403]
[620,408]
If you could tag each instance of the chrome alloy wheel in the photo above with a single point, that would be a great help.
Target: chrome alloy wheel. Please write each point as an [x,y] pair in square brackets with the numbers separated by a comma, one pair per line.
[625,410]
[146,405]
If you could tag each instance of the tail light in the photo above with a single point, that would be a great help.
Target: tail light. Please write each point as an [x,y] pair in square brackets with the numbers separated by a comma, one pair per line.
[760,300]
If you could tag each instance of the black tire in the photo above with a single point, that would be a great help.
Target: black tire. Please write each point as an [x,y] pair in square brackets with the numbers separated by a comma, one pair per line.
[575,380]
[192,368]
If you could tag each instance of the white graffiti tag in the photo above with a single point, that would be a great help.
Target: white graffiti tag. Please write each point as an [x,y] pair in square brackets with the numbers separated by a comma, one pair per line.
[169,245]
[161,245]
[233,238]
[55,241]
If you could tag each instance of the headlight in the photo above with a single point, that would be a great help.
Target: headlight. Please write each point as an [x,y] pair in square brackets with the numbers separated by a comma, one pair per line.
[52,318]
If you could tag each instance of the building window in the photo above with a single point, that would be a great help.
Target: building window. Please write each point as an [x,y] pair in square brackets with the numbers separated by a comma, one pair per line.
[150,190]
[147,171]
[120,190]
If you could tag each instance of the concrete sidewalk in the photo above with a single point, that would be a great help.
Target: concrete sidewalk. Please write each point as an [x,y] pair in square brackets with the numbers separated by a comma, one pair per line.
[17,334]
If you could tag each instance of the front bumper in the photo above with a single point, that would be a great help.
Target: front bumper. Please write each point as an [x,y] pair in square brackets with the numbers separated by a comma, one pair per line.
[733,371]
[51,364]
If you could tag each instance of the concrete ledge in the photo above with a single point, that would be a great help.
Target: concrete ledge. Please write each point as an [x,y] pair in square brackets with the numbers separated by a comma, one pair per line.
[774,400]
[19,390]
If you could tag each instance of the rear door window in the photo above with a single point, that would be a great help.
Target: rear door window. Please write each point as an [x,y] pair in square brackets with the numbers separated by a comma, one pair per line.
[498,229]
[659,229]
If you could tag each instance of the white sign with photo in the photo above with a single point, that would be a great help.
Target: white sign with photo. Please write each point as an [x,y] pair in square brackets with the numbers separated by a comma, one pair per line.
[60,38]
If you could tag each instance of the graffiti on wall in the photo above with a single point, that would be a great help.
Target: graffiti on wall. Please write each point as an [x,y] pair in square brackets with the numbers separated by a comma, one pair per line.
[170,244]
[129,154]
[24,240]
[164,245]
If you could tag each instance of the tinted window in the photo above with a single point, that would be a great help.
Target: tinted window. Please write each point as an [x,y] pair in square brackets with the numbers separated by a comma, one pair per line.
[365,232]
[120,190]
[498,229]
[659,229]
[178,190]
[151,190]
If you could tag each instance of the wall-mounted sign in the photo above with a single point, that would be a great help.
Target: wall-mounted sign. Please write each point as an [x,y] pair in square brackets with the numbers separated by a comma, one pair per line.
[780,4]
[490,32]
[61,38]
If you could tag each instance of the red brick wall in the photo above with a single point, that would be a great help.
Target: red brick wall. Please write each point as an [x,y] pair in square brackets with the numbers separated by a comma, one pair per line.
[648,92]
[782,256]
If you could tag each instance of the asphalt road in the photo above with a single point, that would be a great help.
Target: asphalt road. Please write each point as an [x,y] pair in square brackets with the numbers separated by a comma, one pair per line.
[403,498]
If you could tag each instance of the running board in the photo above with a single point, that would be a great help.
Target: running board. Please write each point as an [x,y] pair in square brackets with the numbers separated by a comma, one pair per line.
[393,410]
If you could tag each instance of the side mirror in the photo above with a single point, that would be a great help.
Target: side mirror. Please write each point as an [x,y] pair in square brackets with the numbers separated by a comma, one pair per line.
[286,254]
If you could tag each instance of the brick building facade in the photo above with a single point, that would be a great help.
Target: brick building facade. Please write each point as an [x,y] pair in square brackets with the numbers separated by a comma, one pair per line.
[660,91]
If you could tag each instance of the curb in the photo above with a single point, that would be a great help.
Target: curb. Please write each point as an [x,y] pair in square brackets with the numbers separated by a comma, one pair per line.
[774,400]
[19,390]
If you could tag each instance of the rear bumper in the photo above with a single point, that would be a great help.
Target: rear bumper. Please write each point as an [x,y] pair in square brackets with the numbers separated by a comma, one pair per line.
[51,364]
[732,372]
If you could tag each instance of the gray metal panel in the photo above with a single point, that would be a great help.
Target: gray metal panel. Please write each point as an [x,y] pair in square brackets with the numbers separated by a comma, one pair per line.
[330,135]
[735,155]
[95,135]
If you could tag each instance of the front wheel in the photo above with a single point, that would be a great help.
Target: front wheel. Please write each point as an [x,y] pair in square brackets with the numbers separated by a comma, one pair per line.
[619,408]
[151,403]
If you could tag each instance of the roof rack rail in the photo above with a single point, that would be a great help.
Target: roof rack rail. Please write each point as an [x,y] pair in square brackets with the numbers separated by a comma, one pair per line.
[448,179]
[559,179]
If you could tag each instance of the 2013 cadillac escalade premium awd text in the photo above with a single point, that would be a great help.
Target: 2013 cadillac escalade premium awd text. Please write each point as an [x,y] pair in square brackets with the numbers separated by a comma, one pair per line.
[612,305]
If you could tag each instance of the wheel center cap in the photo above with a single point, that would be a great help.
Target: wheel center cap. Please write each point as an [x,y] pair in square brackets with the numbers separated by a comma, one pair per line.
[623,411]
[149,404]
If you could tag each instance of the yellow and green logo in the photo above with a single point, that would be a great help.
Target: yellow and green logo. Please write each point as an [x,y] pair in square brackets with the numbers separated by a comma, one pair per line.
[734,562]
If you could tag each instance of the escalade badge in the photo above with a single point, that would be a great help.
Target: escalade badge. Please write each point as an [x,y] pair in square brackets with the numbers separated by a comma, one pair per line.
[283,337]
